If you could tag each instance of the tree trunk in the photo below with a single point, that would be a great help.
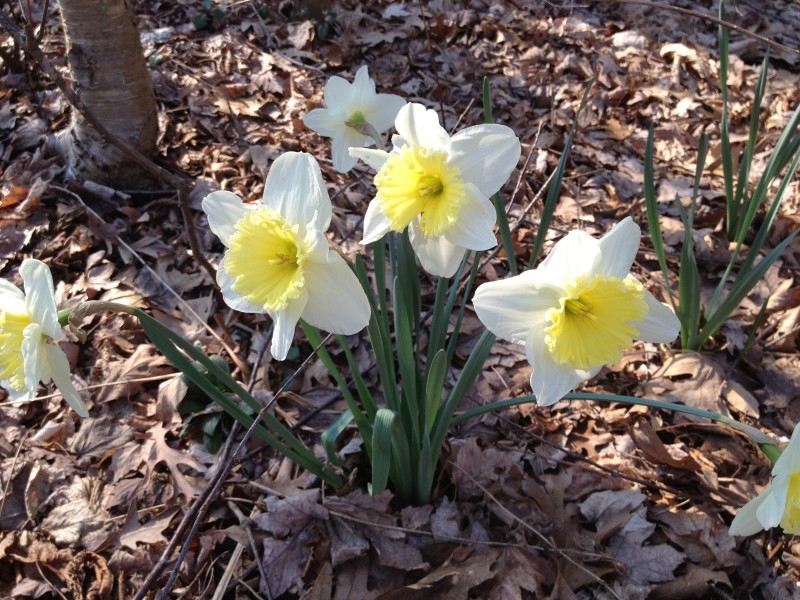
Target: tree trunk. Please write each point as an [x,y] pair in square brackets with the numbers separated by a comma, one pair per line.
[110,75]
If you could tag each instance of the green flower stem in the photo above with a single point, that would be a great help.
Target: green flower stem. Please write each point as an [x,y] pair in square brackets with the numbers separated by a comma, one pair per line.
[315,339]
[63,317]
[497,199]
[766,443]
[772,452]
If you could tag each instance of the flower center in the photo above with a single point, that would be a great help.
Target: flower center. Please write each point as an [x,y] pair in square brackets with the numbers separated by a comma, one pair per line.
[594,321]
[356,119]
[417,182]
[265,260]
[791,514]
[12,366]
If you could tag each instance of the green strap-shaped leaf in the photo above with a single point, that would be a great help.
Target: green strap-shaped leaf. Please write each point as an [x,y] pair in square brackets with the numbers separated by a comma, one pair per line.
[433,388]
[332,433]
[173,347]
[382,435]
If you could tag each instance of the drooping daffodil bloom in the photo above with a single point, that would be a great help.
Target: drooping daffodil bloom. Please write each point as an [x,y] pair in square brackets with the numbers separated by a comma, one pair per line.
[439,186]
[28,321]
[577,311]
[277,258]
[779,503]
[354,116]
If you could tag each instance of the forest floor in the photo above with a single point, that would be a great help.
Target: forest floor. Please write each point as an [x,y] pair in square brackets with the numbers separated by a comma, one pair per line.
[579,500]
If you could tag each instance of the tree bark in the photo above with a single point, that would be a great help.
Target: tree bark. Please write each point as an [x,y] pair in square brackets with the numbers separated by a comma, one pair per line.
[110,75]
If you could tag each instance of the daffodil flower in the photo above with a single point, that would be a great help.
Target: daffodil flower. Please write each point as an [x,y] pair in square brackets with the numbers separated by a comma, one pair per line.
[779,504]
[354,116]
[577,311]
[27,322]
[439,186]
[278,260]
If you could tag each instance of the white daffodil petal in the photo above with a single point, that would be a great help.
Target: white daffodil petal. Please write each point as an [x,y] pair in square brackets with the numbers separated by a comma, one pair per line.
[39,296]
[232,298]
[660,325]
[773,503]
[336,301]
[398,141]
[473,228]
[34,362]
[486,154]
[382,110]
[511,308]
[10,294]
[374,158]
[420,127]
[338,97]
[285,323]
[789,461]
[343,140]
[295,189]
[376,225]
[224,210]
[321,121]
[362,85]
[436,255]
[550,381]
[746,521]
[59,372]
[573,256]
[619,247]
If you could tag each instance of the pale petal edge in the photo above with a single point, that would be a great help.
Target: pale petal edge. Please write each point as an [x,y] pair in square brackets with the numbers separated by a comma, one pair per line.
[59,371]
[336,301]
[746,521]
[295,189]
[372,157]
[321,121]
[284,325]
[39,296]
[660,325]
[473,228]
[343,160]
[550,381]
[437,255]
[619,248]
[224,210]
[376,225]
[486,155]
[512,308]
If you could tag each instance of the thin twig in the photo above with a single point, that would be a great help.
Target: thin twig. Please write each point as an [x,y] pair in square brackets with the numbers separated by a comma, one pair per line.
[246,524]
[228,574]
[705,17]
[202,504]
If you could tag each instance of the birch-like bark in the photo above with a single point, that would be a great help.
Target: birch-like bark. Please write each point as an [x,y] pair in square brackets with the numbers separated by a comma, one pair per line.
[110,75]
